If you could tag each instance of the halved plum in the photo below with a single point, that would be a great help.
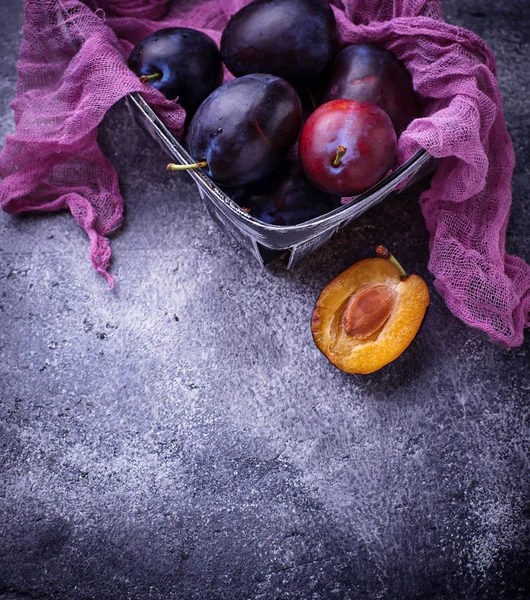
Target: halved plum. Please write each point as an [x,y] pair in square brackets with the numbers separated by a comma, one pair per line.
[368,315]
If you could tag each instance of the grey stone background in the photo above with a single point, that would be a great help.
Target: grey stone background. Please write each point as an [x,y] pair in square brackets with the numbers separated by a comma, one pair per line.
[182,438]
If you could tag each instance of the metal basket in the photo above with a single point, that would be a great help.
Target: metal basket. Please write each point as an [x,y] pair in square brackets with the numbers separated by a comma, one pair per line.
[268,242]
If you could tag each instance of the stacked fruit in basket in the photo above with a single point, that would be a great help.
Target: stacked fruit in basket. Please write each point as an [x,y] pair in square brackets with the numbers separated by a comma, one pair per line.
[301,126]
[286,160]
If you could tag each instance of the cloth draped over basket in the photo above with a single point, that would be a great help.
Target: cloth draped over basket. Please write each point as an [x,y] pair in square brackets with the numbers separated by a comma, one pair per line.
[72,69]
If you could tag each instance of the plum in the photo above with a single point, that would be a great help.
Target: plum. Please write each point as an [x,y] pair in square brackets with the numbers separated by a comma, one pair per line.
[182,63]
[369,314]
[284,197]
[244,129]
[346,146]
[369,73]
[294,39]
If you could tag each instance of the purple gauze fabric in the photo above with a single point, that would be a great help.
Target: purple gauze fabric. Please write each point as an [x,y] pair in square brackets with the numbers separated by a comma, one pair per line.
[72,69]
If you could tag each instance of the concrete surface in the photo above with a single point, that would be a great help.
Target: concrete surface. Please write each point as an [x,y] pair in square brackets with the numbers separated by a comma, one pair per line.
[182,437]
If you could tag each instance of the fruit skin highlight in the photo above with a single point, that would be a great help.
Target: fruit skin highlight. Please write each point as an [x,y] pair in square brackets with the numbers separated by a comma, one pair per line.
[347,146]
[181,63]
[381,330]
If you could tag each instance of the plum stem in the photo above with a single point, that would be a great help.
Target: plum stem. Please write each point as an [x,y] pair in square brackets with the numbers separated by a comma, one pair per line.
[199,165]
[153,76]
[341,151]
[383,252]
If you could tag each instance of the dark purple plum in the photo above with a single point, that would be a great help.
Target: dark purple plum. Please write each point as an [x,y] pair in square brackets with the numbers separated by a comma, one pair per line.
[294,39]
[180,62]
[369,73]
[284,197]
[245,128]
